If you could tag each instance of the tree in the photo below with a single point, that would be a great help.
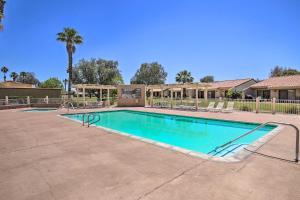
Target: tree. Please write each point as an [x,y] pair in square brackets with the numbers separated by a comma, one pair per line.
[2,3]
[108,72]
[52,83]
[4,70]
[14,76]
[71,38]
[184,77]
[207,79]
[28,78]
[281,71]
[22,77]
[98,71]
[150,73]
[234,94]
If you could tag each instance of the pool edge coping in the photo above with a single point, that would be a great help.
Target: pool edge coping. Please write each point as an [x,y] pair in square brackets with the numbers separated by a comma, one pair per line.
[238,156]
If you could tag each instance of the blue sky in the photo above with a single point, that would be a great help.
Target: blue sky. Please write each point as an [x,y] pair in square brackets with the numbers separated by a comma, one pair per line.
[226,38]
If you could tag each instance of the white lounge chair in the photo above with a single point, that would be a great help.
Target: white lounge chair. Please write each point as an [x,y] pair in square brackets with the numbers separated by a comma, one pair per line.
[98,104]
[218,108]
[229,107]
[210,106]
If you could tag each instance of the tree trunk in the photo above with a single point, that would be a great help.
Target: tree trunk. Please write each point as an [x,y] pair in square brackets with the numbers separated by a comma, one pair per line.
[70,73]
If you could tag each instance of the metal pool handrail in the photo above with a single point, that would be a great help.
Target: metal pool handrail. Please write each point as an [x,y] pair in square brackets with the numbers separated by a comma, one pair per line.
[260,126]
[89,120]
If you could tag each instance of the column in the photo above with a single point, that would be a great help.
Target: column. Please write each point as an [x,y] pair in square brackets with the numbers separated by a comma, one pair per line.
[6,100]
[205,94]
[197,98]
[83,95]
[151,97]
[273,105]
[28,100]
[171,98]
[77,96]
[181,94]
[108,101]
[257,104]
[47,100]
[101,95]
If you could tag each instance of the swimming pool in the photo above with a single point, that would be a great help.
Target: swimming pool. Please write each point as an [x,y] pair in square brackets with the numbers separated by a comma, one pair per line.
[40,110]
[200,135]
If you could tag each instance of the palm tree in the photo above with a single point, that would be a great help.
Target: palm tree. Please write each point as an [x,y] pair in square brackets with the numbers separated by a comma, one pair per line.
[14,76]
[4,70]
[2,2]
[184,77]
[71,38]
[23,75]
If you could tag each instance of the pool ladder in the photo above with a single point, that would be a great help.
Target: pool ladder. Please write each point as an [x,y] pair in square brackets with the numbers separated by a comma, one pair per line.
[92,118]
[215,150]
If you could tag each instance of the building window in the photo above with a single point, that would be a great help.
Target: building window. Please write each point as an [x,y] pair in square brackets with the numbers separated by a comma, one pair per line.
[264,94]
[211,94]
[202,94]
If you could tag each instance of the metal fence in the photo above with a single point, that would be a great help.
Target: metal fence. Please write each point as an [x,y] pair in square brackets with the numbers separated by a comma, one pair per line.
[245,105]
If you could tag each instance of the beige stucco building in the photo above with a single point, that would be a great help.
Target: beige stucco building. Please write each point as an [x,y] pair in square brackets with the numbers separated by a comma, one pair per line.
[284,87]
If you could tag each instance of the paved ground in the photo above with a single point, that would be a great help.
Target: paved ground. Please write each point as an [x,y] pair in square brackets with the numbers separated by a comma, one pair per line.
[43,156]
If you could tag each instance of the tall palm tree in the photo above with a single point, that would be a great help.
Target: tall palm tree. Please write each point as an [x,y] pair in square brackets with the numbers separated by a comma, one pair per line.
[71,38]
[14,76]
[2,2]
[23,75]
[4,70]
[184,77]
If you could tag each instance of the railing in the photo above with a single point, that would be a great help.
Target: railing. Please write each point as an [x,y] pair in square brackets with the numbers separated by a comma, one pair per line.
[246,105]
[82,102]
[215,150]
[92,118]
[17,101]
[288,106]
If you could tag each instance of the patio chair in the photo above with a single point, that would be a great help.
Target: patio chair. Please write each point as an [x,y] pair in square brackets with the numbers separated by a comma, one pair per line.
[229,107]
[94,104]
[218,108]
[164,104]
[210,106]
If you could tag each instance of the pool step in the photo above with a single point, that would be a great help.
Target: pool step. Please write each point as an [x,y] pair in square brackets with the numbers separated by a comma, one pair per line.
[230,150]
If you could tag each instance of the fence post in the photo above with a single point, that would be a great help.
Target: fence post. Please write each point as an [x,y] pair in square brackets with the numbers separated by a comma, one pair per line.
[47,100]
[257,104]
[6,100]
[273,105]
[28,100]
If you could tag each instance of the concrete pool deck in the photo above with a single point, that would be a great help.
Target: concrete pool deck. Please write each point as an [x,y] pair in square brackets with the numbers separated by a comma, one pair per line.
[43,156]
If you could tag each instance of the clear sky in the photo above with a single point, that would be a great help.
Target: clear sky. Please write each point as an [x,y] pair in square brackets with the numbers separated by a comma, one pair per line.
[226,38]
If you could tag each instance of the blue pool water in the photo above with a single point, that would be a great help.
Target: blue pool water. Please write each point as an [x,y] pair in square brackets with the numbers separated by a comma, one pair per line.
[191,133]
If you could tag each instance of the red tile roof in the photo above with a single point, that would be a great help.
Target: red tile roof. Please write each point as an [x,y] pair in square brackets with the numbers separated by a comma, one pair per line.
[279,82]
[227,84]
